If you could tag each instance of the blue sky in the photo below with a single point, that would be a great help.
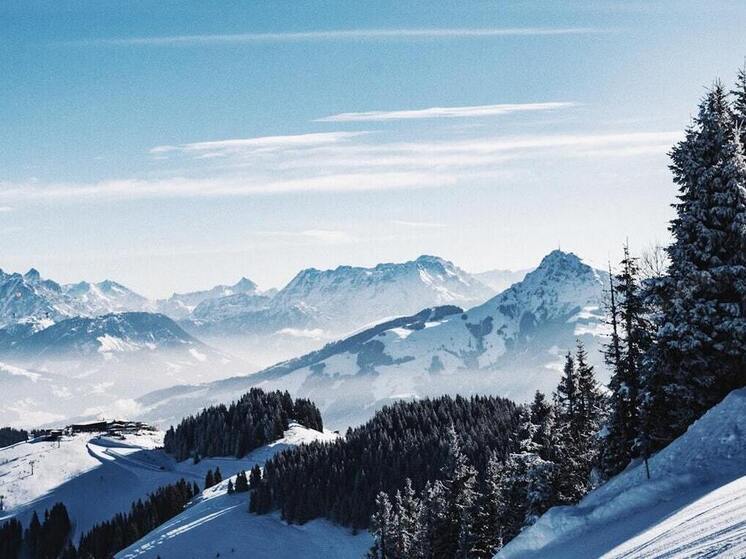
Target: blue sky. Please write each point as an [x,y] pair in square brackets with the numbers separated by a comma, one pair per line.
[174,145]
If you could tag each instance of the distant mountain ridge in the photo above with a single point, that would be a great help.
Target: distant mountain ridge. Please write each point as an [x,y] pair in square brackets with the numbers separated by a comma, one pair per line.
[91,365]
[321,305]
[511,345]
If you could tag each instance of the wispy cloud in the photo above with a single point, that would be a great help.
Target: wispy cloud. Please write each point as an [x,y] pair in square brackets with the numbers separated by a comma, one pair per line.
[224,148]
[343,35]
[338,162]
[446,112]
[6,209]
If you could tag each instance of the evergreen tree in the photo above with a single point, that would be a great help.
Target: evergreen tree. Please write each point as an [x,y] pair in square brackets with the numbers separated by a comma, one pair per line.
[11,538]
[579,408]
[407,515]
[209,479]
[382,527]
[32,536]
[700,350]
[255,477]
[242,484]
[626,354]
[487,540]
[231,491]
[218,477]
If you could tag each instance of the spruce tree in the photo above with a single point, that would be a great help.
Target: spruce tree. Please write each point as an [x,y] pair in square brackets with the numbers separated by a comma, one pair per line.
[626,354]
[209,479]
[383,529]
[700,350]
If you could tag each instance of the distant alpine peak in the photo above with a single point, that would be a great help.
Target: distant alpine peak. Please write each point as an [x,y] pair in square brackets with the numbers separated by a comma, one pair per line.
[245,285]
[560,283]
[429,259]
[32,275]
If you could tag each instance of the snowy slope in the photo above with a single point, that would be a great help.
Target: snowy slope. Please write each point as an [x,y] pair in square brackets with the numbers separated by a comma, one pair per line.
[694,505]
[218,524]
[97,477]
[511,346]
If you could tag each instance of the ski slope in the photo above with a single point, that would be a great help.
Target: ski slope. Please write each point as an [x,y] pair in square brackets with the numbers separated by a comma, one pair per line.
[694,505]
[217,524]
[97,477]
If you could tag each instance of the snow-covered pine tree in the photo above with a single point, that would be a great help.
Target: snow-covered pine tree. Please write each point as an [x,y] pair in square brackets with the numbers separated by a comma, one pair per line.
[579,409]
[487,524]
[383,529]
[407,513]
[700,354]
[454,536]
[432,517]
[591,404]
[625,354]
[566,396]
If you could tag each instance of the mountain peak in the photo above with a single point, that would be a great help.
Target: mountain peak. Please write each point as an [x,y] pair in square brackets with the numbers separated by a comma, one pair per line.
[429,259]
[32,275]
[244,284]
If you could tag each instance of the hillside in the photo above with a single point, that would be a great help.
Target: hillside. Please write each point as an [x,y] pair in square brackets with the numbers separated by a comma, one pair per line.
[218,525]
[97,477]
[693,505]
[509,346]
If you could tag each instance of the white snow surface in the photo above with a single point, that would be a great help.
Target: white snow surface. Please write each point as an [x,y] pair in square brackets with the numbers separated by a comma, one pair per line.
[217,523]
[97,477]
[694,505]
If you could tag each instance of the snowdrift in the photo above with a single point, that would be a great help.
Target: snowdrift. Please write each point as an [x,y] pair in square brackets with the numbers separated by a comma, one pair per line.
[694,505]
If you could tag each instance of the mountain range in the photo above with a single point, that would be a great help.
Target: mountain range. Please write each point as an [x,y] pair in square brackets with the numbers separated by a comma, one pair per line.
[511,345]
[401,331]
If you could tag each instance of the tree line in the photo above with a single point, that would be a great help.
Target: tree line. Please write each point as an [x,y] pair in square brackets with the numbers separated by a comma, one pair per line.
[678,343]
[471,511]
[340,480]
[9,436]
[49,539]
[256,419]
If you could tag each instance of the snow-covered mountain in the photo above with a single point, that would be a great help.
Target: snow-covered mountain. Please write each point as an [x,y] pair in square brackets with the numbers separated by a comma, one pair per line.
[511,345]
[181,305]
[86,366]
[348,297]
[30,299]
[693,505]
[321,305]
